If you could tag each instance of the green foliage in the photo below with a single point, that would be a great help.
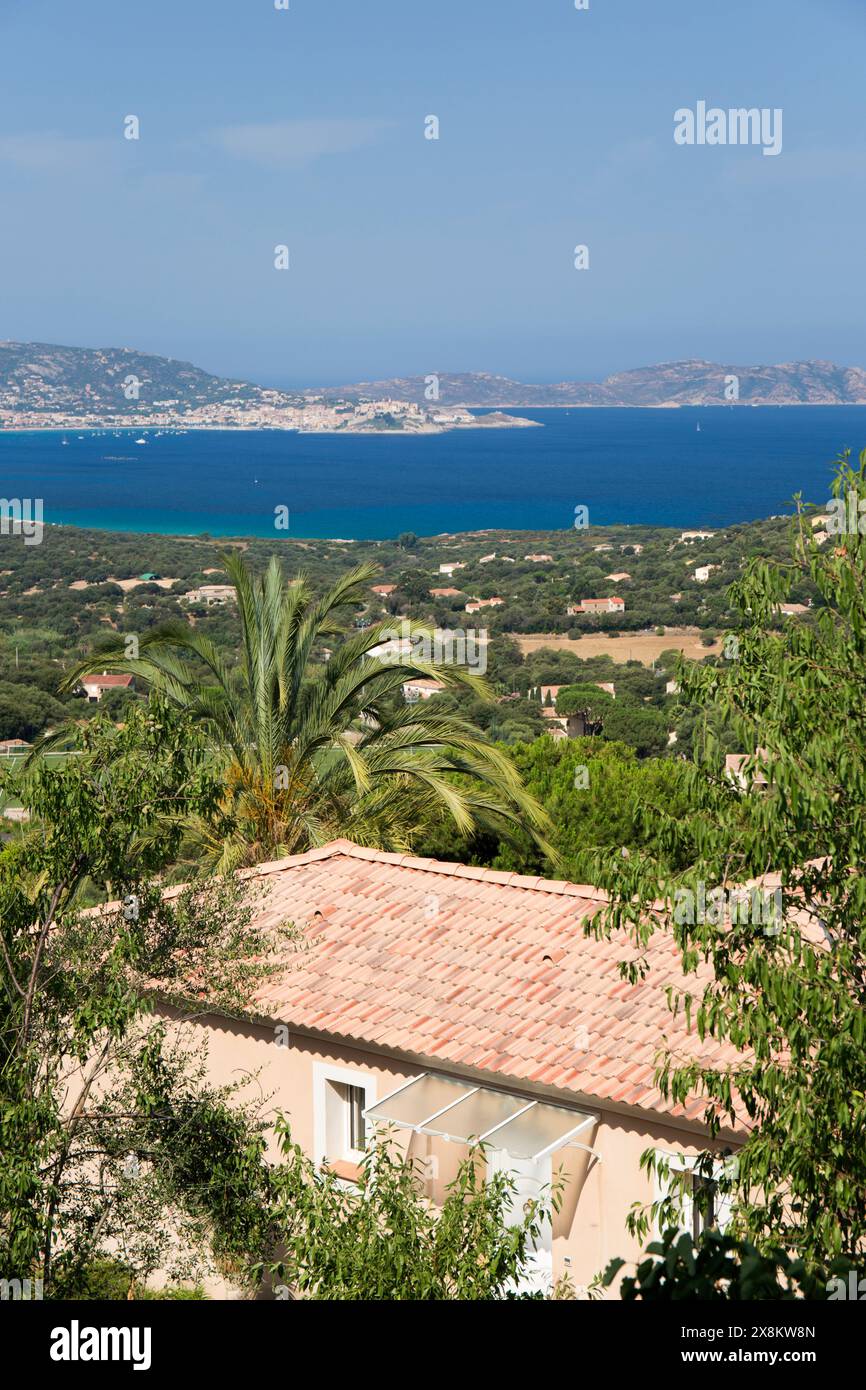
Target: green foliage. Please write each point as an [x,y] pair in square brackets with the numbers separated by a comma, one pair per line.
[25,710]
[719,1268]
[381,1239]
[99,1281]
[171,1293]
[112,1281]
[103,1129]
[586,699]
[643,728]
[788,994]
[597,796]
[310,751]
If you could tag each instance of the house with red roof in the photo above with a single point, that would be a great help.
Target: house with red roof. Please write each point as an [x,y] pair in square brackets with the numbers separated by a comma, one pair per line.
[94,687]
[475,605]
[10,747]
[614,604]
[449,1005]
[422,688]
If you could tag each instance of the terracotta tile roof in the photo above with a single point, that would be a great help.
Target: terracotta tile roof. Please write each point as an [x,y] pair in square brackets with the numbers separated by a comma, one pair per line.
[106,681]
[456,965]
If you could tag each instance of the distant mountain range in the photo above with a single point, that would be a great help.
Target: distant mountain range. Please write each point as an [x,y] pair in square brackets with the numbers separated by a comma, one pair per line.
[692,382]
[44,379]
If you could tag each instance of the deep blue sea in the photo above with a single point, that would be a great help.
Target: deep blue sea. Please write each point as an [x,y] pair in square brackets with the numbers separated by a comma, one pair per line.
[653,466]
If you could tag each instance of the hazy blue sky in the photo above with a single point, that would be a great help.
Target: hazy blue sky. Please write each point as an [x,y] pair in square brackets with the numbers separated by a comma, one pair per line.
[306,127]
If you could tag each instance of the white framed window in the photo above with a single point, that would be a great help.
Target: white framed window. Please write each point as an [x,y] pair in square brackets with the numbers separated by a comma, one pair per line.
[704,1211]
[340,1097]
[695,1216]
[355,1099]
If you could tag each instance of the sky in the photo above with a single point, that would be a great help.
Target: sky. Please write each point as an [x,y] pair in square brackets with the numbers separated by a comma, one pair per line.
[305,128]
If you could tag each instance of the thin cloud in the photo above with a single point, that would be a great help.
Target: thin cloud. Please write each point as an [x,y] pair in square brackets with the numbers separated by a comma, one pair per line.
[801,166]
[53,152]
[293,144]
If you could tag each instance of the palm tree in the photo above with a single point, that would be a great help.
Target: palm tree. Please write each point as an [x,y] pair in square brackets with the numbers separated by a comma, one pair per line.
[315,751]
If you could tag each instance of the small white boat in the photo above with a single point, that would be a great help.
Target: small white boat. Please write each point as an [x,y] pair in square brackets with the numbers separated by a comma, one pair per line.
[141,441]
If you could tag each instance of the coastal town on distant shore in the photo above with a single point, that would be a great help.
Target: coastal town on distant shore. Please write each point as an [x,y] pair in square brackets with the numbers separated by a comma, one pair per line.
[314,417]
[270,410]
[44,386]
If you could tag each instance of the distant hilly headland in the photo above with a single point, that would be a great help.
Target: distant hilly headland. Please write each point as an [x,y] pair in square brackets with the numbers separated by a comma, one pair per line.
[691,382]
[45,385]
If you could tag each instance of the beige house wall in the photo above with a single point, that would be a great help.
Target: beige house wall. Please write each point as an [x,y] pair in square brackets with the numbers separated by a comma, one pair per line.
[285,1072]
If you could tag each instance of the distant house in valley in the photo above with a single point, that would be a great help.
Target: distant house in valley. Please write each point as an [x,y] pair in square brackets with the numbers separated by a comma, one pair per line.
[383,590]
[703,572]
[421,689]
[734,764]
[445,593]
[619,577]
[451,566]
[478,603]
[486,559]
[614,604]
[9,747]
[793,610]
[540,559]
[549,690]
[393,650]
[211,593]
[94,687]
[555,721]
[633,546]
[689,536]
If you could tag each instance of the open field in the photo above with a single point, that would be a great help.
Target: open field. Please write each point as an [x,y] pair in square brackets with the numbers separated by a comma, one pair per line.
[630,646]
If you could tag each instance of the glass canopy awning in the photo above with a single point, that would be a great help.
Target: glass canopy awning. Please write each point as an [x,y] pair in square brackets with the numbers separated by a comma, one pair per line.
[465,1113]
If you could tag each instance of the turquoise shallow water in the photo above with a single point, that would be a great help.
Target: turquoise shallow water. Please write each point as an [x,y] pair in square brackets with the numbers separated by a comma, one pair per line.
[651,466]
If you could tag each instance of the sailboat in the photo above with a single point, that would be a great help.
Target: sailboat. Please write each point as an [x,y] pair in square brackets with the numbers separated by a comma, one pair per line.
[699,427]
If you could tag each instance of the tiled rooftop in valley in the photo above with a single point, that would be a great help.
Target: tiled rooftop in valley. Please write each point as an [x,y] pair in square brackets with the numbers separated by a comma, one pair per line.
[446,963]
